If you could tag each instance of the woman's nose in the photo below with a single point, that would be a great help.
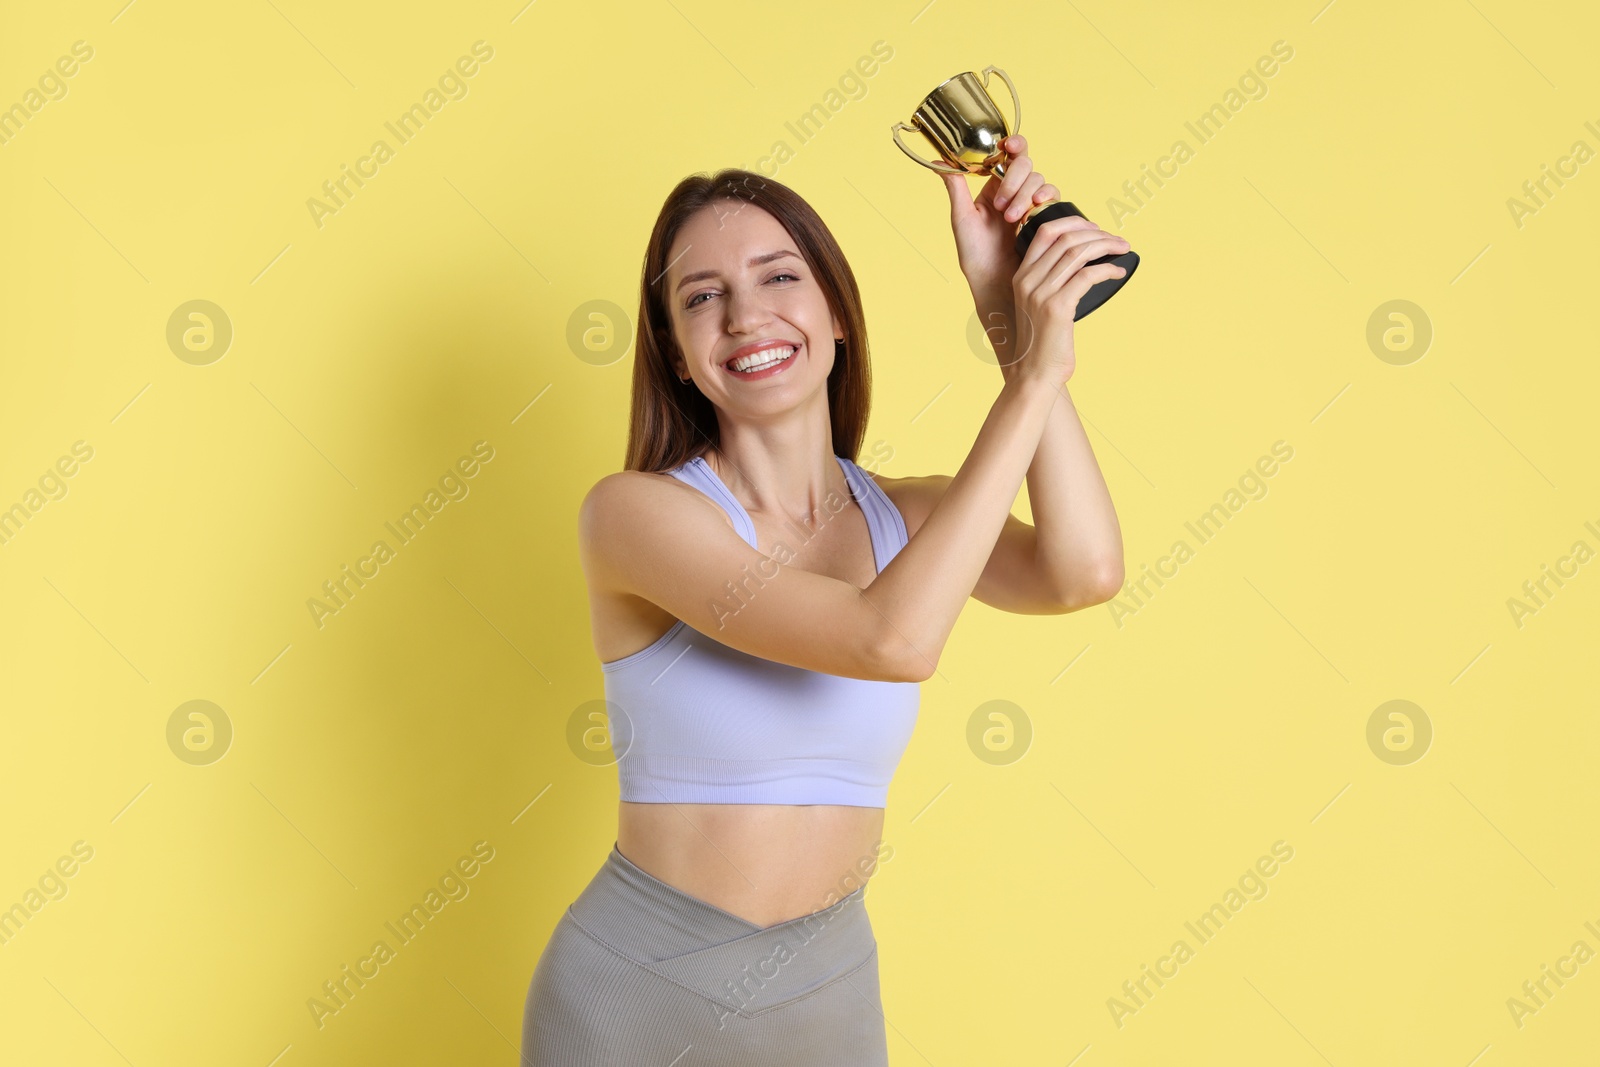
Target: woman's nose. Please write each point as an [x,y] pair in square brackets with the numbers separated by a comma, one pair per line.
[746,309]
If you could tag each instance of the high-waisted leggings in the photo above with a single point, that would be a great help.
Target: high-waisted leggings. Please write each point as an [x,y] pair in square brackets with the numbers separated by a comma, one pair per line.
[640,974]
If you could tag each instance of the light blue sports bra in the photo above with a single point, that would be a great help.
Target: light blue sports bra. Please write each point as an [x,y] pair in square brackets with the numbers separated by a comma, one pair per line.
[694,721]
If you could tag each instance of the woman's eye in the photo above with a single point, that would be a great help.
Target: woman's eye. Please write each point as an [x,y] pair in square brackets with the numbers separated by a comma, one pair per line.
[695,299]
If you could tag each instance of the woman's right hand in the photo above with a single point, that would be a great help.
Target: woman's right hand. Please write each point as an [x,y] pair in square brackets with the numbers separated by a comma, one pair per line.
[1047,287]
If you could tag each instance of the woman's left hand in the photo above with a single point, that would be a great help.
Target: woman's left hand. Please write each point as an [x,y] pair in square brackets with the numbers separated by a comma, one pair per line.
[985,227]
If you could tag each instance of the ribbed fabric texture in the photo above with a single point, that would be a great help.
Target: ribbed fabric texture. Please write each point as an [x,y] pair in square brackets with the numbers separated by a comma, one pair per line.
[639,972]
[694,721]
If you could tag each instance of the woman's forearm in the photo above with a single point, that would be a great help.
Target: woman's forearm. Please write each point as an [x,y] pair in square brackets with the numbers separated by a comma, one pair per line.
[923,589]
[1078,541]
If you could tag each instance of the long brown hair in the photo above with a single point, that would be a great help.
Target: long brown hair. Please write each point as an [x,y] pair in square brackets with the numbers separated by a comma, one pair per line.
[671,421]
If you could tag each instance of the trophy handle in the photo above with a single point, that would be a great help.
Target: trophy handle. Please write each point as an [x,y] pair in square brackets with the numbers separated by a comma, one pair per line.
[1016,127]
[942,168]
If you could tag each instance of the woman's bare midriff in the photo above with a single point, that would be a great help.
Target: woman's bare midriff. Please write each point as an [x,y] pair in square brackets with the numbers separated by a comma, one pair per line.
[766,863]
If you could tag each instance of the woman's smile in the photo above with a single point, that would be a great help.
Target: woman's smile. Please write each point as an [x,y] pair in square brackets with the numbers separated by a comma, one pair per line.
[765,364]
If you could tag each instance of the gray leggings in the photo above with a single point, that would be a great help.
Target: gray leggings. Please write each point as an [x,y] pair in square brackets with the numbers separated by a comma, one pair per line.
[640,974]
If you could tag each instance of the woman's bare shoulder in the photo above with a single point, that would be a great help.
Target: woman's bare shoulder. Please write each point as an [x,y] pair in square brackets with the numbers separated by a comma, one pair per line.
[639,496]
[622,492]
[627,482]
[630,518]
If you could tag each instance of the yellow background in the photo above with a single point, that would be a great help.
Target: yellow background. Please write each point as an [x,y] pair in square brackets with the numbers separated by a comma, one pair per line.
[432,310]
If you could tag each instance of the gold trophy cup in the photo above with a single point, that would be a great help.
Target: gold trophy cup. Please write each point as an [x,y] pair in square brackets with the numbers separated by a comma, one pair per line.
[960,119]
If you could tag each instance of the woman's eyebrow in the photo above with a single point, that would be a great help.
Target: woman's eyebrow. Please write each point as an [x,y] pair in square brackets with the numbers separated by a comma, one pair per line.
[756,262]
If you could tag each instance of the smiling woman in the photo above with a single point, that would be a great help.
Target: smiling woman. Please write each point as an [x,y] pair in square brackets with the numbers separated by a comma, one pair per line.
[730,913]
[755,747]
[793,258]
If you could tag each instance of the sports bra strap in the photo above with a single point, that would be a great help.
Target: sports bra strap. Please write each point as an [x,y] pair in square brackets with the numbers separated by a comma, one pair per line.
[699,474]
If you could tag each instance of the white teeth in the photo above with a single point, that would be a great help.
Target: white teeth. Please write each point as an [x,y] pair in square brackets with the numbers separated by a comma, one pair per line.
[761,359]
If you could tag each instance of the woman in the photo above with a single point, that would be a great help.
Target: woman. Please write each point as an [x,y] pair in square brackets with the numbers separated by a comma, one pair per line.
[763,610]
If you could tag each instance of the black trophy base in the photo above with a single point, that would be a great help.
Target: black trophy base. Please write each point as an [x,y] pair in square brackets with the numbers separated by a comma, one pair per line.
[1100,291]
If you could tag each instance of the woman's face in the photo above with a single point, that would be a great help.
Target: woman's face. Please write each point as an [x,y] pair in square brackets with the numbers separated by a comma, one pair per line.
[722,303]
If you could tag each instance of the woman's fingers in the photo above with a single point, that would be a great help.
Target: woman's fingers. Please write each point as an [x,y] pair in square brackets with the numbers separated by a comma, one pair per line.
[1017,170]
[1045,237]
[1072,260]
[1026,197]
[1082,281]
[1050,242]
[1014,146]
